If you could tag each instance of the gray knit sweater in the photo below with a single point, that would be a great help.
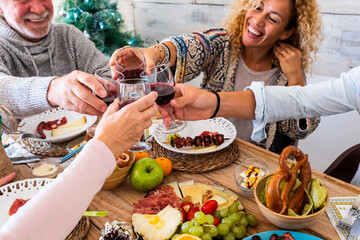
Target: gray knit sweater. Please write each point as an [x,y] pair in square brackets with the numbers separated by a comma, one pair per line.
[27,68]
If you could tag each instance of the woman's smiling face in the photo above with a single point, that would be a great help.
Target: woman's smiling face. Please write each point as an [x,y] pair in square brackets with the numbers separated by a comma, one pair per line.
[267,23]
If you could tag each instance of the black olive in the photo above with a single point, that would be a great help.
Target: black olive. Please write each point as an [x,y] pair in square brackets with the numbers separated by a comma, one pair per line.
[274,237]
[256,237]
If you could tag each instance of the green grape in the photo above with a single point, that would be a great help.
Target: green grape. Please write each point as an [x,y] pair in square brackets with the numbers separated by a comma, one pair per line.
[223,228]
[209,219]
[196,230]
[238,231]
[229,236]
[251,219]
[213,231]
[206,236]
[234,208]
[223,212]
[235,217]
[244,221]
[227,221]
[217,214]
[194,222]
[173,237]
[242,213]
[186,226]
[200,217]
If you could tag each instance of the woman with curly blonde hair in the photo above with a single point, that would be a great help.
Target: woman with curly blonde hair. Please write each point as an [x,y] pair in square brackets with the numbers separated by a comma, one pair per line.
[305,21]
[272,41]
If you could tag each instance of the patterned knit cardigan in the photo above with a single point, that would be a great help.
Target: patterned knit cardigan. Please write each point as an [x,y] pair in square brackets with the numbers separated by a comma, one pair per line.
[209,51]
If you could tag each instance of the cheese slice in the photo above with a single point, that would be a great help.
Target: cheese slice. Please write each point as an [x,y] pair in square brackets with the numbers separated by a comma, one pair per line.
[204,186]
[221,193]
[79,122]
[176,188]
[195,193]
[62,131]
[186,185]
[220,200]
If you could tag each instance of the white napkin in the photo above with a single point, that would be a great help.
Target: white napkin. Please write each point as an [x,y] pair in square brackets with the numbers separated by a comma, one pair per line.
[339,208]
[15,150]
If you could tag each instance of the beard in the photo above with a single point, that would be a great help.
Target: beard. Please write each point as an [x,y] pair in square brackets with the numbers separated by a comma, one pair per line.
[28,27]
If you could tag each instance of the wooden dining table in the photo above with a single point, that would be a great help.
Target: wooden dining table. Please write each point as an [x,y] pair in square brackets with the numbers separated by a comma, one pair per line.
[119,201]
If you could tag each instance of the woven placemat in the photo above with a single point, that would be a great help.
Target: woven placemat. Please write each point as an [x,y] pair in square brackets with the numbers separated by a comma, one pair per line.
[80,229]
[197,163]
[46,148]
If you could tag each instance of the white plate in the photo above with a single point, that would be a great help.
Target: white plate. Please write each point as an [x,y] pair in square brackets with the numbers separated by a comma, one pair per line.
[21,189]
[31,123]
[195,128]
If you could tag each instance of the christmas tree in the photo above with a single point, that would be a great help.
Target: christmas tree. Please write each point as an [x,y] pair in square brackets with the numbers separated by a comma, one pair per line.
[100,21]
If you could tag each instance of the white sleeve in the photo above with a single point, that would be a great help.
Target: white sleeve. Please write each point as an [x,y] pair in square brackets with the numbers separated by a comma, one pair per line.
[275,103]
[55,211]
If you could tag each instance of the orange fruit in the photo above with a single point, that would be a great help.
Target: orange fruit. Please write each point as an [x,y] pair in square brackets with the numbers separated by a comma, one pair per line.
[187,237]
[140,155]
[165,164]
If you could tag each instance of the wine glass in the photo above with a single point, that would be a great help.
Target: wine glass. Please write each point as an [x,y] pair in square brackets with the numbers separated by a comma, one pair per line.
[105,78]
[162,81]
[131,90]
[130,61]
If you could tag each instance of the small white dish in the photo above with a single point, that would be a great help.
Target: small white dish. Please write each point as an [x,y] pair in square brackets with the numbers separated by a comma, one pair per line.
[240,175]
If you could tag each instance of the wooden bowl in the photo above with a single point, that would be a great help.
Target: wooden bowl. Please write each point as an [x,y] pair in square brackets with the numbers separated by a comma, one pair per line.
[285,221]
[118,176]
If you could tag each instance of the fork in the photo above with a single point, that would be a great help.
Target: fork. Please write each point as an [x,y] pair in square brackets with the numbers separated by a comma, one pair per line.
[21,137]
[355,231]
[347,221]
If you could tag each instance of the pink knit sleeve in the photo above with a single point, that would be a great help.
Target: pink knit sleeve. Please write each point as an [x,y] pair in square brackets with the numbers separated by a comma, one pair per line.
[54,212]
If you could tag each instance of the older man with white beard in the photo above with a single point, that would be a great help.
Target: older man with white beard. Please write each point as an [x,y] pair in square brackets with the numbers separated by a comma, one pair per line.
[44,64]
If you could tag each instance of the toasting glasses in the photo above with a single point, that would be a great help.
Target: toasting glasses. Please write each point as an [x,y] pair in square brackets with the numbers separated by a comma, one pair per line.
[130,61]
[131,90]
[162,81]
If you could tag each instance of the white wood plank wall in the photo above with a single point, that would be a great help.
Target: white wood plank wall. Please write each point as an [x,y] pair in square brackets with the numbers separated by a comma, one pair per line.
[157,19]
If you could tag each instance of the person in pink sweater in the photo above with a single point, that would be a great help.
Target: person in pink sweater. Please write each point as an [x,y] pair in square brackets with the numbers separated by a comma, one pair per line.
[55,211]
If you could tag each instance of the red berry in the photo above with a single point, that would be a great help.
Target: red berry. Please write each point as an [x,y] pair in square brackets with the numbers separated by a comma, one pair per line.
[190,214]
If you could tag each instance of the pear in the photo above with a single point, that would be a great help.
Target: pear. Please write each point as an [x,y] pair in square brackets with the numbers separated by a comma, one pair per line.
[157,227]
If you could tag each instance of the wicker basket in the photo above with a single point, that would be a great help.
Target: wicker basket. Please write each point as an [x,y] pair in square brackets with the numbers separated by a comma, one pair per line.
[80,229]
[6,166]
[197,163]
[118,176]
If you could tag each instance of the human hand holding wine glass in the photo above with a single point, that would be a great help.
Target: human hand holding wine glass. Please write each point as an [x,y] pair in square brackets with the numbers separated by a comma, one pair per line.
[131,90]
[130,61]
[106,79]
[162,81]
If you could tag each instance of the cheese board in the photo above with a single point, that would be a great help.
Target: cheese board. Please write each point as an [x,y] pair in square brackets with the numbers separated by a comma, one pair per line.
[191,207]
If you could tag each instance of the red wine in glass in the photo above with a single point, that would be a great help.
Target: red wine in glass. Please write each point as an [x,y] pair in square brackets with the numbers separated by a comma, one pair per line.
[131,90]
[165,91]
[134,73]
[123,104]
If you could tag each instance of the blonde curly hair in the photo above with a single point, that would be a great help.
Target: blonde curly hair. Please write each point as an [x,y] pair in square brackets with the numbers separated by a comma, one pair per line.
[305,19]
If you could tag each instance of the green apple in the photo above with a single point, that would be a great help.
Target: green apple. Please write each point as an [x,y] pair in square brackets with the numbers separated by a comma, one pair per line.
[146,174]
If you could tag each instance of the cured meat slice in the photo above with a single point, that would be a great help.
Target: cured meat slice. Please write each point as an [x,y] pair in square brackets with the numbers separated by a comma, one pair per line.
[19,202]
[157,200]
